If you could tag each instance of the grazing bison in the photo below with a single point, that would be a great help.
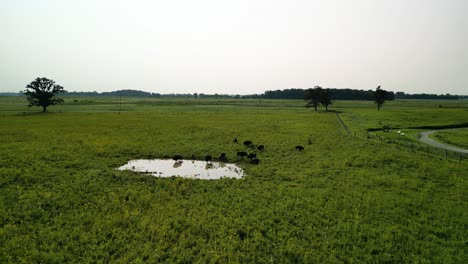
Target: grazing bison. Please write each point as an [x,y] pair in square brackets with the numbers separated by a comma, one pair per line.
[235,141]
[299,148]
[208,158]
[248,143]
[241,154]
[252,155]
[255,161]
[223,157]
[177,157]
[261,147]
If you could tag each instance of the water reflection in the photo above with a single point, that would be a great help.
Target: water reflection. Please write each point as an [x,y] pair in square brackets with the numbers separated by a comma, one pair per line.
[193,169]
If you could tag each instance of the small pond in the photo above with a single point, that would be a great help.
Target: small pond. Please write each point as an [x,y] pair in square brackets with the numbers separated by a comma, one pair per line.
[193,169]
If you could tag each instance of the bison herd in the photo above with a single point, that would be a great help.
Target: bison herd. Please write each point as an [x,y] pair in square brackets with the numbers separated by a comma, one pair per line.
[252,156]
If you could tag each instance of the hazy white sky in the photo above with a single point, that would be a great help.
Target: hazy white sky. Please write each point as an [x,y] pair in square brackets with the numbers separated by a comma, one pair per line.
[235,47]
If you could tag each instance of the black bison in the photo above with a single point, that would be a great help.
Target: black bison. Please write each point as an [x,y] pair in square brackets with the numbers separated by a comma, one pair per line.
[177,157]
[261,147]
[252,155]
[299,148]
[223,157]
[208,158]
[255,161]
[248,143]
[235,141]
[241,154]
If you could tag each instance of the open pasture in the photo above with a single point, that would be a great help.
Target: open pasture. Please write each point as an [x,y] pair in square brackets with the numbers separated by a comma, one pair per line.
[403,114]
[341,199]
[456,137]
[408,116]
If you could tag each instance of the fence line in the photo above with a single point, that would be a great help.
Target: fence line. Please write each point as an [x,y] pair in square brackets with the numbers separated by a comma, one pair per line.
[346,128]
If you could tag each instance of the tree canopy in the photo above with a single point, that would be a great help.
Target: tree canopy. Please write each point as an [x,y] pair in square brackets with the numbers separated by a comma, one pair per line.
[41,92]
[325,98]
[379,97]
[317,96]
[313,96]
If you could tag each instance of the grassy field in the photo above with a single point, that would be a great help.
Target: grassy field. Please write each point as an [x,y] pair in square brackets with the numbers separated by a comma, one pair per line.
[458,137]
[404,114]
[341,200]
[408,116]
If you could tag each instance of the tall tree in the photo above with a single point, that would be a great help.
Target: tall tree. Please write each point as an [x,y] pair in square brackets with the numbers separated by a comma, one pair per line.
[325,98]
[379,97]
[313,96]
[41,92]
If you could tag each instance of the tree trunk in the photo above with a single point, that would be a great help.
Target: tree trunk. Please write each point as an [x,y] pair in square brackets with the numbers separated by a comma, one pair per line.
[44,108]
[315,106]
[326,107]
[378,107]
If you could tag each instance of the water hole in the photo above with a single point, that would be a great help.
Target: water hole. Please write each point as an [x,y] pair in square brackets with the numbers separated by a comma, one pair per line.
[193,169]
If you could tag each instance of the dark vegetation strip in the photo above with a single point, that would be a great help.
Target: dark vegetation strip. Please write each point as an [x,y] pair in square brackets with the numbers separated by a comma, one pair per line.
[460,125]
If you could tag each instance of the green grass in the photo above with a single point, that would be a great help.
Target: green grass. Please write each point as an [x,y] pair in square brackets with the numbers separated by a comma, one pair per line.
[404,114]
[458,137]
[341,200]
[408,116]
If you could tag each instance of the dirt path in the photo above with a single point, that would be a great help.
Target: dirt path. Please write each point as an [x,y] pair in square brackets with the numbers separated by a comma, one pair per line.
[425,138]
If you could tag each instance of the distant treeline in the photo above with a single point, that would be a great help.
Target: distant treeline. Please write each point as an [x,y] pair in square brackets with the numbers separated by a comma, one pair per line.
[336,94]
[352,94]
[292,93]
[402,95]
[125,93]
[136,93]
